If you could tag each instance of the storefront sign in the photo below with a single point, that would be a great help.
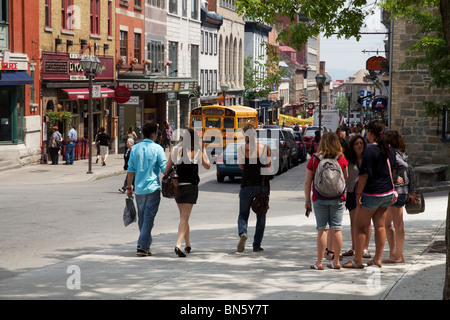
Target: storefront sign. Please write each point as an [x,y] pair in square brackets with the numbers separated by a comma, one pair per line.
[9,66]
[122,94]
[67,67]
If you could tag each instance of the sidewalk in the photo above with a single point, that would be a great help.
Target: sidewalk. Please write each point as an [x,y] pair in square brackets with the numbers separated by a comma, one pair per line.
[215,271]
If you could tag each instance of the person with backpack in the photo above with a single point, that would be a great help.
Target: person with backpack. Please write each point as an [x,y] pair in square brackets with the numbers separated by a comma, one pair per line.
[375,192]
[326,175]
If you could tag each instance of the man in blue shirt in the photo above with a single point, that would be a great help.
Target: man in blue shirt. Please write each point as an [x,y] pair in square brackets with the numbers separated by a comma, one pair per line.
[147,160]
[70,146]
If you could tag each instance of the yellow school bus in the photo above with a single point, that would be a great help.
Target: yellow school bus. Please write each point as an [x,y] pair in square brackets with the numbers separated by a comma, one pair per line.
[218,124]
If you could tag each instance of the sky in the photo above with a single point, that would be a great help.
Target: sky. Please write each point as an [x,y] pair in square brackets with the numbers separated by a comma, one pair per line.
[343,58]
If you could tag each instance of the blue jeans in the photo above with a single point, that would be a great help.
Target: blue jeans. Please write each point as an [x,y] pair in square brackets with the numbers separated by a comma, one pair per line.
[147,207]
[329,214]
[70,152]
[246,195]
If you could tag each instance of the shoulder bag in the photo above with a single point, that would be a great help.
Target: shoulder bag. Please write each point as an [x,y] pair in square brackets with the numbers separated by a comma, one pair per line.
[260,204]
[418,207]
[169,184]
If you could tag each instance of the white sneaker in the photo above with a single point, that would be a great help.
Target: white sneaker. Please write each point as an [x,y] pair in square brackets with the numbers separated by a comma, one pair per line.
[241,244]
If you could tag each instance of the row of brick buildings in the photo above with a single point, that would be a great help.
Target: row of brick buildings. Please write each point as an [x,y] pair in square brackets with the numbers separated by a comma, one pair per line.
[171,55]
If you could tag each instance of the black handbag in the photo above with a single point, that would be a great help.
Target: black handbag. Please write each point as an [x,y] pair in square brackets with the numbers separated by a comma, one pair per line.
[414,208]
[170,187]
[260,204]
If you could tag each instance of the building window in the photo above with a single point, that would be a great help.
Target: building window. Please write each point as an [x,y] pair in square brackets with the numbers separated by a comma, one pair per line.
[123,43]
[215,44]
[173,56]
[201,42]
[173,6]
[194,61]
[137,46]
[155,53]
[194,9]
[110,13]
[184,8]
[66,14]
[48,13]
[95,16]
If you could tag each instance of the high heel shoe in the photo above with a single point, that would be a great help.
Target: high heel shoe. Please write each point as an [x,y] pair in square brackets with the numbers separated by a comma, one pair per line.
[188,249]
[179,252]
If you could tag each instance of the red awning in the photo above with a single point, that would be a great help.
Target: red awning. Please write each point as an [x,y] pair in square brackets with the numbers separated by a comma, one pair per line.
[83,93]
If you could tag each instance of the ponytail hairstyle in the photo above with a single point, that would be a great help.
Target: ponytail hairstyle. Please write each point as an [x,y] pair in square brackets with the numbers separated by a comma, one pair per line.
[396,141]
[377,129]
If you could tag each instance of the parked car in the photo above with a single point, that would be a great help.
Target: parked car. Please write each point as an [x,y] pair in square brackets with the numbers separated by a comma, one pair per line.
[309,133]
[227,163]
[302,150]
[287,140]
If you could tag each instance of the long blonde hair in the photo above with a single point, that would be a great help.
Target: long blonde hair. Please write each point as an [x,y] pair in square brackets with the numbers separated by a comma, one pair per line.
[330,146]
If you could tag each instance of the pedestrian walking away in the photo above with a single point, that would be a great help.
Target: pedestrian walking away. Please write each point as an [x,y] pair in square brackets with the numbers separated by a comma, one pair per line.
[374,193]
[103,141]
[405,185]
[147,160]
[54,145]
[187,155]
[330,166]
[70,144]
[253,156]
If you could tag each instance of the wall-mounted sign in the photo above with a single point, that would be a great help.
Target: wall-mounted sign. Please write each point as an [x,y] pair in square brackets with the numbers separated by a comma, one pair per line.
[9,66]
[67,67]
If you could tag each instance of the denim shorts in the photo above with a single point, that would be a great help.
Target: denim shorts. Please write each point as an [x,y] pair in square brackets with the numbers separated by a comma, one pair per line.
[374,202]
[329,214]
[401,200]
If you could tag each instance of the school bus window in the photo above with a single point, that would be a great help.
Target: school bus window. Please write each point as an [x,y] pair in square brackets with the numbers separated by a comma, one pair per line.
[196,122]
[212,122]
[228,123]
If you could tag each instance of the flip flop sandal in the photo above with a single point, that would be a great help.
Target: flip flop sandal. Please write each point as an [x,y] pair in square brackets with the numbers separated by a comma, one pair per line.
[316,267]
[353,265]
[348,253]
[332,266]
[366,254]
[372,263]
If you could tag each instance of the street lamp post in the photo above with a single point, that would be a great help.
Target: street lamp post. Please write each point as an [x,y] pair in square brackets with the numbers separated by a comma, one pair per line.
[349,97]
[320,80]
[90,65]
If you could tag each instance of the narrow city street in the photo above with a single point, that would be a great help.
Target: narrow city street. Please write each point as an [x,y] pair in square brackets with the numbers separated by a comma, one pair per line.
[62,237]
[49,223]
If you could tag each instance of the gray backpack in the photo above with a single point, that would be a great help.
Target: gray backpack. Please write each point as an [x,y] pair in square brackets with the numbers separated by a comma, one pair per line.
[329,181]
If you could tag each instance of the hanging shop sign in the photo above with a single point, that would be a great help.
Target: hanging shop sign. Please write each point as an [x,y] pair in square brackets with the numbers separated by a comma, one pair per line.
[379,103]
[375,63]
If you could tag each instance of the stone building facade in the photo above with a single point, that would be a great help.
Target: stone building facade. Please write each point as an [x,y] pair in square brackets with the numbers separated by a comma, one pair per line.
[410,88]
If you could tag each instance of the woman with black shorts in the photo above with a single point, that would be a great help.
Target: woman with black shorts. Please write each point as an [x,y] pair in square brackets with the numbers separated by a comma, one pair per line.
[187,156]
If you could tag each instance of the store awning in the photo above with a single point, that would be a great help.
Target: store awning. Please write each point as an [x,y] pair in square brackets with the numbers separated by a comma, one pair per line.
[83,93]
[14,78]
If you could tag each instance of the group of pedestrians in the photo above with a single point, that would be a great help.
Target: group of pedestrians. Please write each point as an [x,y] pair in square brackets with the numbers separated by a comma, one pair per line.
[372,168]
[376,169]
[147,159]
[55,143]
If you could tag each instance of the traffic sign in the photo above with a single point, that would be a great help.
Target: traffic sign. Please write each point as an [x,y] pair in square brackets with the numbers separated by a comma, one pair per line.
[96,91]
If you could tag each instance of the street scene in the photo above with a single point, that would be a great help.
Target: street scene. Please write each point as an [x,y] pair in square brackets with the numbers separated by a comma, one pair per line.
[224,151]
[62,222]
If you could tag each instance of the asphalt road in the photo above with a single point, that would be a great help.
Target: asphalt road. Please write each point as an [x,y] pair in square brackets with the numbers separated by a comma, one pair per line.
[47,223]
